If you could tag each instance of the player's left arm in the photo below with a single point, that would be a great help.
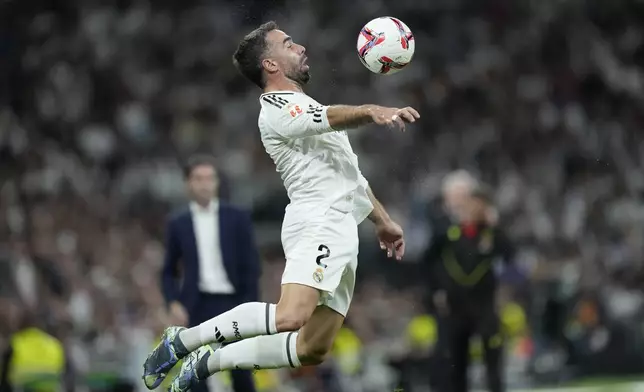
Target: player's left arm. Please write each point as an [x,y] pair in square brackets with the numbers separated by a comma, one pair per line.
[390,234]
[379,214]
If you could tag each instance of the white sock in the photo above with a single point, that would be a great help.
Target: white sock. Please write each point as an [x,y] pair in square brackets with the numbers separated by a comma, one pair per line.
[261,352]
[244,321]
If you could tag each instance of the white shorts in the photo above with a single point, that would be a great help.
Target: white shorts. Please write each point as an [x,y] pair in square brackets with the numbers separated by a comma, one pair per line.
[322,252]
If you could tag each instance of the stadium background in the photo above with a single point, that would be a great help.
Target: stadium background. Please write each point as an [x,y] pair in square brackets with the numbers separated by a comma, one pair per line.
[541,99]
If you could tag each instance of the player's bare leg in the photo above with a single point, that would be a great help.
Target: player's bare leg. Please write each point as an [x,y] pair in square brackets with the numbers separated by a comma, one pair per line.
[296,305]
[310,346]
[315,339]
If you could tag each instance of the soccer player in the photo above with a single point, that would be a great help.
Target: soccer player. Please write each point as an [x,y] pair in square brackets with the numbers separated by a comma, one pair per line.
[329,198]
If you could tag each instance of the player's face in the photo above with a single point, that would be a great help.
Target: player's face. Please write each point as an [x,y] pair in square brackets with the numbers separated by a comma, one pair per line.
[203,183]
[289,57]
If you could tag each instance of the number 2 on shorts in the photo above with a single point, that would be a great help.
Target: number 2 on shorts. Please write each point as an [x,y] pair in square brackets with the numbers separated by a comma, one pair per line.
[326,254]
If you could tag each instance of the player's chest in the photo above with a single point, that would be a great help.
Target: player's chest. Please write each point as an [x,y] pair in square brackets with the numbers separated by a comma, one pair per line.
[337,142]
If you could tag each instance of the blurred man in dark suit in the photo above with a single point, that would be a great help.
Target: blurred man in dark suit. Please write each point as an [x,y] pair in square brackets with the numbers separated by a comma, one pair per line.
[459,266]
[211,263]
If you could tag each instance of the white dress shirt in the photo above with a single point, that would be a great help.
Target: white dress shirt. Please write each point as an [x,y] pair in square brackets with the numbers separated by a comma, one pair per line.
[212,273]
[316,162]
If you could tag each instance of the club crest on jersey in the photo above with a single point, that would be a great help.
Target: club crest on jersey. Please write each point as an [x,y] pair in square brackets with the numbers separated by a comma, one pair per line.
[318,275]
[294,110]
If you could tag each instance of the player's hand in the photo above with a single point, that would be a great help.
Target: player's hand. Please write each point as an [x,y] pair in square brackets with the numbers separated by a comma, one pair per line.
[393,118]
[178,314]
[391,238]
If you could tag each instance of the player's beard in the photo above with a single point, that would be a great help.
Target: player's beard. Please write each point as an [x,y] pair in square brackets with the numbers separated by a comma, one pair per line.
[298,75]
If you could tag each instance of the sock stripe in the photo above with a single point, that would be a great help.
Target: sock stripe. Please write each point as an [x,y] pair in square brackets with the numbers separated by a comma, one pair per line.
[288,349]
[268,324]
[218,336]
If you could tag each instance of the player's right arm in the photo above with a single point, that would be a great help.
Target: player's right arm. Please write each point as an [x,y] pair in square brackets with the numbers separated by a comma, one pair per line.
[344,116]
[292,119]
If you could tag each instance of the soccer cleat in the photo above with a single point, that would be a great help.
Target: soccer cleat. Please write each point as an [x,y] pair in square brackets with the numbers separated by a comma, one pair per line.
[163,358]
[193,370]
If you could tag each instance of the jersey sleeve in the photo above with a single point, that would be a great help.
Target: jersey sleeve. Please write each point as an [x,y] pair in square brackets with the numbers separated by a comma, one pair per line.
[294,118]
[363,182]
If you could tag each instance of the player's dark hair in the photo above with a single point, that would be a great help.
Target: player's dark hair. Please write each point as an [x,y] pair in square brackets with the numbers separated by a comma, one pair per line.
[195,161]
[250,52]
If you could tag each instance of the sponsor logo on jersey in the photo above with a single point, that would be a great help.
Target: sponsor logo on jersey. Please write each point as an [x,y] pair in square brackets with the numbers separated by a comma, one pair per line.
[294,110]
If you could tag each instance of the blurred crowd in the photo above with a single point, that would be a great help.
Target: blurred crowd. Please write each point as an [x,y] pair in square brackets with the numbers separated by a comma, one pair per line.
[99,100]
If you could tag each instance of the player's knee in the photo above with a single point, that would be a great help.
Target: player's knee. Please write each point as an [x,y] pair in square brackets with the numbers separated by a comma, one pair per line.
[290,320]
[292,316]
[295,307]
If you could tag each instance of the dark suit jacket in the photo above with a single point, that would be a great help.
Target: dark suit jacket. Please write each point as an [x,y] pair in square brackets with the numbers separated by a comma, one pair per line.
[180,275]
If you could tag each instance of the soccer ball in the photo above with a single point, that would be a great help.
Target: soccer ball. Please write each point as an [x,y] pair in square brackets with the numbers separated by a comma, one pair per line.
[385,45]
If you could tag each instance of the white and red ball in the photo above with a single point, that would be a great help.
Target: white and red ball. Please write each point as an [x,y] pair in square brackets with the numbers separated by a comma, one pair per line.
[386,45]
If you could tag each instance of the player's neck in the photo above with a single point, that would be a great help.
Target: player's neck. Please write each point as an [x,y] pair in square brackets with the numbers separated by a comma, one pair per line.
[283,85]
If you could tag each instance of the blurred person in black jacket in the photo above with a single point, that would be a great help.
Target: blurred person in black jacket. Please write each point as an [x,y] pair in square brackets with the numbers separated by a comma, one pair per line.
[459,266]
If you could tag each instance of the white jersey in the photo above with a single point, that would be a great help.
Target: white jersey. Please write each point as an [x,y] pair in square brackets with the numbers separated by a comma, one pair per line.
[316,162]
